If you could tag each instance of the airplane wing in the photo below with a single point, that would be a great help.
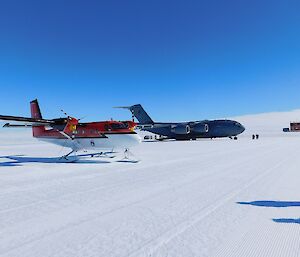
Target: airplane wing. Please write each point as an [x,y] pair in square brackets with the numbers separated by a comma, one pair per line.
[26,119]
[10,125]
[27,122]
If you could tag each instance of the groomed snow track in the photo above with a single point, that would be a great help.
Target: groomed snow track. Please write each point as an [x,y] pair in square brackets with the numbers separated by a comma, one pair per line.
[198,198]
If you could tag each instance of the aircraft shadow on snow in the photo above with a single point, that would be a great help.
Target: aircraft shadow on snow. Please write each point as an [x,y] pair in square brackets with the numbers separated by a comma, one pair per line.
[276,204]
[18,160]
[284,220]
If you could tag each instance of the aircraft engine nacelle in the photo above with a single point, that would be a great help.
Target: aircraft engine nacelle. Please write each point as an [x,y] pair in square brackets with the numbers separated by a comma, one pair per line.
[201,128]
[181,129]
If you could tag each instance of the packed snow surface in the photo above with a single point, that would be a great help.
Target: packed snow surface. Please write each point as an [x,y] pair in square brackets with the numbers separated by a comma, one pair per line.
[268,124]
[199,198]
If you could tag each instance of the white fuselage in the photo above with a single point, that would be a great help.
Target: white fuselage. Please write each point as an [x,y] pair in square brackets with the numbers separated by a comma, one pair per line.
[110,142]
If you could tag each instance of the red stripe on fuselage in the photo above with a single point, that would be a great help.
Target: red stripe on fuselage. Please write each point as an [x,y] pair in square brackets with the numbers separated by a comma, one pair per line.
[89,130]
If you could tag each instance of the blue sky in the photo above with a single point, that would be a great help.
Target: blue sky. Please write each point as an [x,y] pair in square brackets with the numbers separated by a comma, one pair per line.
[182,60]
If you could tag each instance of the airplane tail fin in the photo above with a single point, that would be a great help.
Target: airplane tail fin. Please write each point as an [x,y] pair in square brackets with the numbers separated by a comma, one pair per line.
[36,114]
[139,112]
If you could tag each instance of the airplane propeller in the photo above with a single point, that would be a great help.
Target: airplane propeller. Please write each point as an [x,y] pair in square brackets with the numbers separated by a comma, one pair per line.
[66,114]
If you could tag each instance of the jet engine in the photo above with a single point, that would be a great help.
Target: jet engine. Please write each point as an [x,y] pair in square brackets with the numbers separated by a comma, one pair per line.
[181,129]
[201,128]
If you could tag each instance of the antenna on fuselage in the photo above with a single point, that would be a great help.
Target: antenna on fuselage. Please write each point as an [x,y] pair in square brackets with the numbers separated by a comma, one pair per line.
[64,112]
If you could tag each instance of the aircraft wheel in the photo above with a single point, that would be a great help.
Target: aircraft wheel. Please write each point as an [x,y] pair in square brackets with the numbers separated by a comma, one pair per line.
[235,138]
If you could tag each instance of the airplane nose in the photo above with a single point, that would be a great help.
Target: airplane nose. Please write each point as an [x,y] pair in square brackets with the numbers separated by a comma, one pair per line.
[238,128]
[138,139]
[135,139]
[242,128]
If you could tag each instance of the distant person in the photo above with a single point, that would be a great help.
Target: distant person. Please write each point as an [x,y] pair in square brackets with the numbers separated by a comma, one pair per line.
[257,136]
[253,137]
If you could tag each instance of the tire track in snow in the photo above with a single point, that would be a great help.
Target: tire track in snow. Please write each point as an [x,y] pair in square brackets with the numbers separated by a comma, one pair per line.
[115,165]
[124,206]
[115,185]
[153,245]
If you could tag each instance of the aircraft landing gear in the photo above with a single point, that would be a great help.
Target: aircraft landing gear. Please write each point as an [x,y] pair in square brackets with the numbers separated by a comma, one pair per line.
[129,157]
[235,138]
[68,158]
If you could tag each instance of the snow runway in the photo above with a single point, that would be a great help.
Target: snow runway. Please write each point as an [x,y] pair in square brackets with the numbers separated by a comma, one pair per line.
[198,198]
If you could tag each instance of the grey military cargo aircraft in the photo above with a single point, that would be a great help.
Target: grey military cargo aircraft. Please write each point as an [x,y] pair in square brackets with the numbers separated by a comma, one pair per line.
[186,130]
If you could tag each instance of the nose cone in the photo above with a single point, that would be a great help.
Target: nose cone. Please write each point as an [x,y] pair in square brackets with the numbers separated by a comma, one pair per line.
[133,140]
[240,128]
[236,128]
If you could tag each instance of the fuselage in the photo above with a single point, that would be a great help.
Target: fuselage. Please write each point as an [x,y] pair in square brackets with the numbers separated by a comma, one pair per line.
[186,130]
[214,129]
[106,135]
[69,132]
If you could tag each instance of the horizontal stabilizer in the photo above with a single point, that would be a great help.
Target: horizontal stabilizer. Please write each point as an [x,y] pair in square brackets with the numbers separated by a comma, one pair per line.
[123,107]
[138,111]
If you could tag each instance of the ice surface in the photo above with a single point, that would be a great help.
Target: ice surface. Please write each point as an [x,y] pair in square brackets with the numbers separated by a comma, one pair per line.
[268,124]
[199,198]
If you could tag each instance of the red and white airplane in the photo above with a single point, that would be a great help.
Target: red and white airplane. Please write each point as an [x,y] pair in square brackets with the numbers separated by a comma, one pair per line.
[70,132]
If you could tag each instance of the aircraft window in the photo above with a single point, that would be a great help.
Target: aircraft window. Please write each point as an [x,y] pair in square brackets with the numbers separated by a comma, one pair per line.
[118,126]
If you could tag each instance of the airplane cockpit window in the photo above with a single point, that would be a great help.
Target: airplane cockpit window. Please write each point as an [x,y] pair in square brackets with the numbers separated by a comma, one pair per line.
[118,126]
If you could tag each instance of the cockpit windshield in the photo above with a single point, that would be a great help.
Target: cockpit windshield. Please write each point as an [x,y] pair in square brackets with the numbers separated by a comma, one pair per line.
[116,126]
